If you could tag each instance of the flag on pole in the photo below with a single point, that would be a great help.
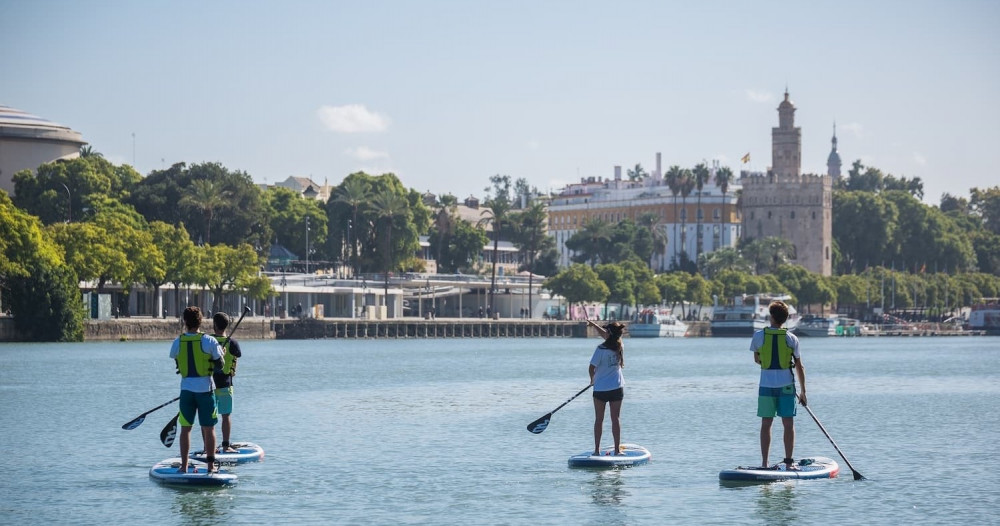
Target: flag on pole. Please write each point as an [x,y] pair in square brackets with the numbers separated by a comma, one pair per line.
[746,158]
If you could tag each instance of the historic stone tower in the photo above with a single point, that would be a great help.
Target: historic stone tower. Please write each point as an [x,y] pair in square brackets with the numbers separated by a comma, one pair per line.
[786,204]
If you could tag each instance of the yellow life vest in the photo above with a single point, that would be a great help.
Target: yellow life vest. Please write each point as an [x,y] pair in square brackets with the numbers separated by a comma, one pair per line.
[228,358]
[775,353]
[191,361]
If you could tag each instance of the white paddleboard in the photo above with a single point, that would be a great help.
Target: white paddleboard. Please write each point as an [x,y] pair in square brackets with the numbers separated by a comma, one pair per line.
[245,452]
[806,468]
[165,472]
[632,455]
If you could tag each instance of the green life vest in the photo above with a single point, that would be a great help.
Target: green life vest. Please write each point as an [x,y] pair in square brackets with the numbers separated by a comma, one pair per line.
[775,346]
[228,358]
[191,361]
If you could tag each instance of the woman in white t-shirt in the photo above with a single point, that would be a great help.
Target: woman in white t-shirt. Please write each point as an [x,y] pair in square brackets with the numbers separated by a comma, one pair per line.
[609,384]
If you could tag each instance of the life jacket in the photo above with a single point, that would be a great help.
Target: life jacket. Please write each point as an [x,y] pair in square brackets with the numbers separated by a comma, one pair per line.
[228,358]
[775,353]
[191,361]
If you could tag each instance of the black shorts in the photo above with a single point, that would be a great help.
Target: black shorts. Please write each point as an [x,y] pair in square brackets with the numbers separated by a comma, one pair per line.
[610,396]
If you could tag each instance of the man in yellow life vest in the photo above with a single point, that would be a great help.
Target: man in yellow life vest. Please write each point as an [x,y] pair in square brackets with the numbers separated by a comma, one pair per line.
[197,355]
[224,378]
[777,352]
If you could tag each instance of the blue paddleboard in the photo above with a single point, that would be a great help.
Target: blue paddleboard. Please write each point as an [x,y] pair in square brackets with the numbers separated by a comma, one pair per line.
[165,472]
[245,452]
[807,468]
[632,455]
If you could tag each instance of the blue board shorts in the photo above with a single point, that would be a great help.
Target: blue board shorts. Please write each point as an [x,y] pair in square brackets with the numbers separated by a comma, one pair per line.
[776,401]
[201,403]
[224,400]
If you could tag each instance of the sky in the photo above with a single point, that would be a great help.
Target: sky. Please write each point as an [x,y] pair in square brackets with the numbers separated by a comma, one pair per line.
[446,94]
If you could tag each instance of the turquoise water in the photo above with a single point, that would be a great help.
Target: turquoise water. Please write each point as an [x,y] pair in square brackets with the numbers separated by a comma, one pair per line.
[433,432]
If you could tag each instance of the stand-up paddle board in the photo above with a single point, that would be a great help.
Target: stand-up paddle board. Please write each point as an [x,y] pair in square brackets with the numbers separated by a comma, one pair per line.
[165,472]
[806,468]
[245,452]
[632,455]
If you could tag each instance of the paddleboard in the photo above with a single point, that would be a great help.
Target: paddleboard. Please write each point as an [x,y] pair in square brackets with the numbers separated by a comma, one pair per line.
[632,455]
[808,468]
[165,472]
[245,452]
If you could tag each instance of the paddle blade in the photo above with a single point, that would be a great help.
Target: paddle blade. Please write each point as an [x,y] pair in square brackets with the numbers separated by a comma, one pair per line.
[169,432]
[858,476]
[134,424]
[539,425]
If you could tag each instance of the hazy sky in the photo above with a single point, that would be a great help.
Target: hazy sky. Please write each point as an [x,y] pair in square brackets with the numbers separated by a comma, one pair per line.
[447,93]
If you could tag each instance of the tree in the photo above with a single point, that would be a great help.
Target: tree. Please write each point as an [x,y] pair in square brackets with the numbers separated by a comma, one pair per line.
[240,217]
[530,239]
[353,193]
[724,179]
[725,258]
[578,283]
[855,212]
[297,221]
[592,243]
[637,173]
[460,249]
[675,180]
[36,285]
[650,221]
[388,207]
[686,184]
[621,285]
[699,176]
[499,206]
[63,190]
[767,253]
[207,197]
[225,267]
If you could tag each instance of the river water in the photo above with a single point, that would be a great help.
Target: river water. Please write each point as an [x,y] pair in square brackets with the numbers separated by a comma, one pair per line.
[433,432]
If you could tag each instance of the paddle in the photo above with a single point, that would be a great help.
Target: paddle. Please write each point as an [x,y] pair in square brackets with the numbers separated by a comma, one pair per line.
[539,425]
[169,432]
[134,423]
[857,476]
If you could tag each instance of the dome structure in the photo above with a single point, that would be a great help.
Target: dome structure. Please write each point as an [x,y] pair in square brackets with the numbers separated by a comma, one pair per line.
[28,141]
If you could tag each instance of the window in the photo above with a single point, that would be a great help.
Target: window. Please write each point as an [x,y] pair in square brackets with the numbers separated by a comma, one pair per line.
[793,214]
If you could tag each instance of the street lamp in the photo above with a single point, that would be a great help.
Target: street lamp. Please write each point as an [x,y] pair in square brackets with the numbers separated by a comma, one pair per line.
[307,244]
[69,204]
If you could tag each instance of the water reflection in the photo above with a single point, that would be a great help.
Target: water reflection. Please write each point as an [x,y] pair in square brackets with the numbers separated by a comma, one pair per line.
[608,488]
[201,506]
[776,503]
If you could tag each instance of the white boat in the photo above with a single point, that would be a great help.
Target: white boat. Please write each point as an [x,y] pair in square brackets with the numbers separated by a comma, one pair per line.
[748,314]
[823,326]
[656,323]
[985,316]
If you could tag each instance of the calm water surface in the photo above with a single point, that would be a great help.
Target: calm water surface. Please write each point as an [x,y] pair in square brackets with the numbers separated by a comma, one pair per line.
[433,432]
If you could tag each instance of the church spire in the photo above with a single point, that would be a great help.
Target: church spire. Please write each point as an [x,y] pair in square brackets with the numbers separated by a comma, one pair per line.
[833,160]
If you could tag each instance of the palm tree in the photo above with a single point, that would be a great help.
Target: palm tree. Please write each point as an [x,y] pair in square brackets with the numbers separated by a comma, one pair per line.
[637,173]
[207,197]
[88,151]
[592,242]
[353,193]
[724,178]
[700,175]
[651,222]
[686,184]
[388,206]
[530,226]
[496,214]
[673,179]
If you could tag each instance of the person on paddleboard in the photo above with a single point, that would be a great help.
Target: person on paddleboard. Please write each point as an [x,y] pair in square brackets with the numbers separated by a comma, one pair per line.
[609,383]
[777,352]
[197,355]
[224,378]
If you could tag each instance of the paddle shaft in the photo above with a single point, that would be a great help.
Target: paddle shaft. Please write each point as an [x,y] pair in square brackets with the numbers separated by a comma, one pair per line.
[542,423]
[857,476]
[134,423]
[170,430]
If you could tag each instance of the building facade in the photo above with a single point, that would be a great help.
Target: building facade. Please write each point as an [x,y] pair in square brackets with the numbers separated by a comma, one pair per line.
[28,141]
[614,200]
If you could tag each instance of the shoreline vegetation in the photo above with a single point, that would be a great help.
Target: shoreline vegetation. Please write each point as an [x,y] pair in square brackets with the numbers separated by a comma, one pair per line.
[267,328]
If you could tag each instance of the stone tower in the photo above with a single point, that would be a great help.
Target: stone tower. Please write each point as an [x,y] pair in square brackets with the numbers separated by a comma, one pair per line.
[786,204]
[833,160]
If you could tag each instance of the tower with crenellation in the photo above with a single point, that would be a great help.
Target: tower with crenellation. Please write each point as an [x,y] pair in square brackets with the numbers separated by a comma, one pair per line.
[786,204]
